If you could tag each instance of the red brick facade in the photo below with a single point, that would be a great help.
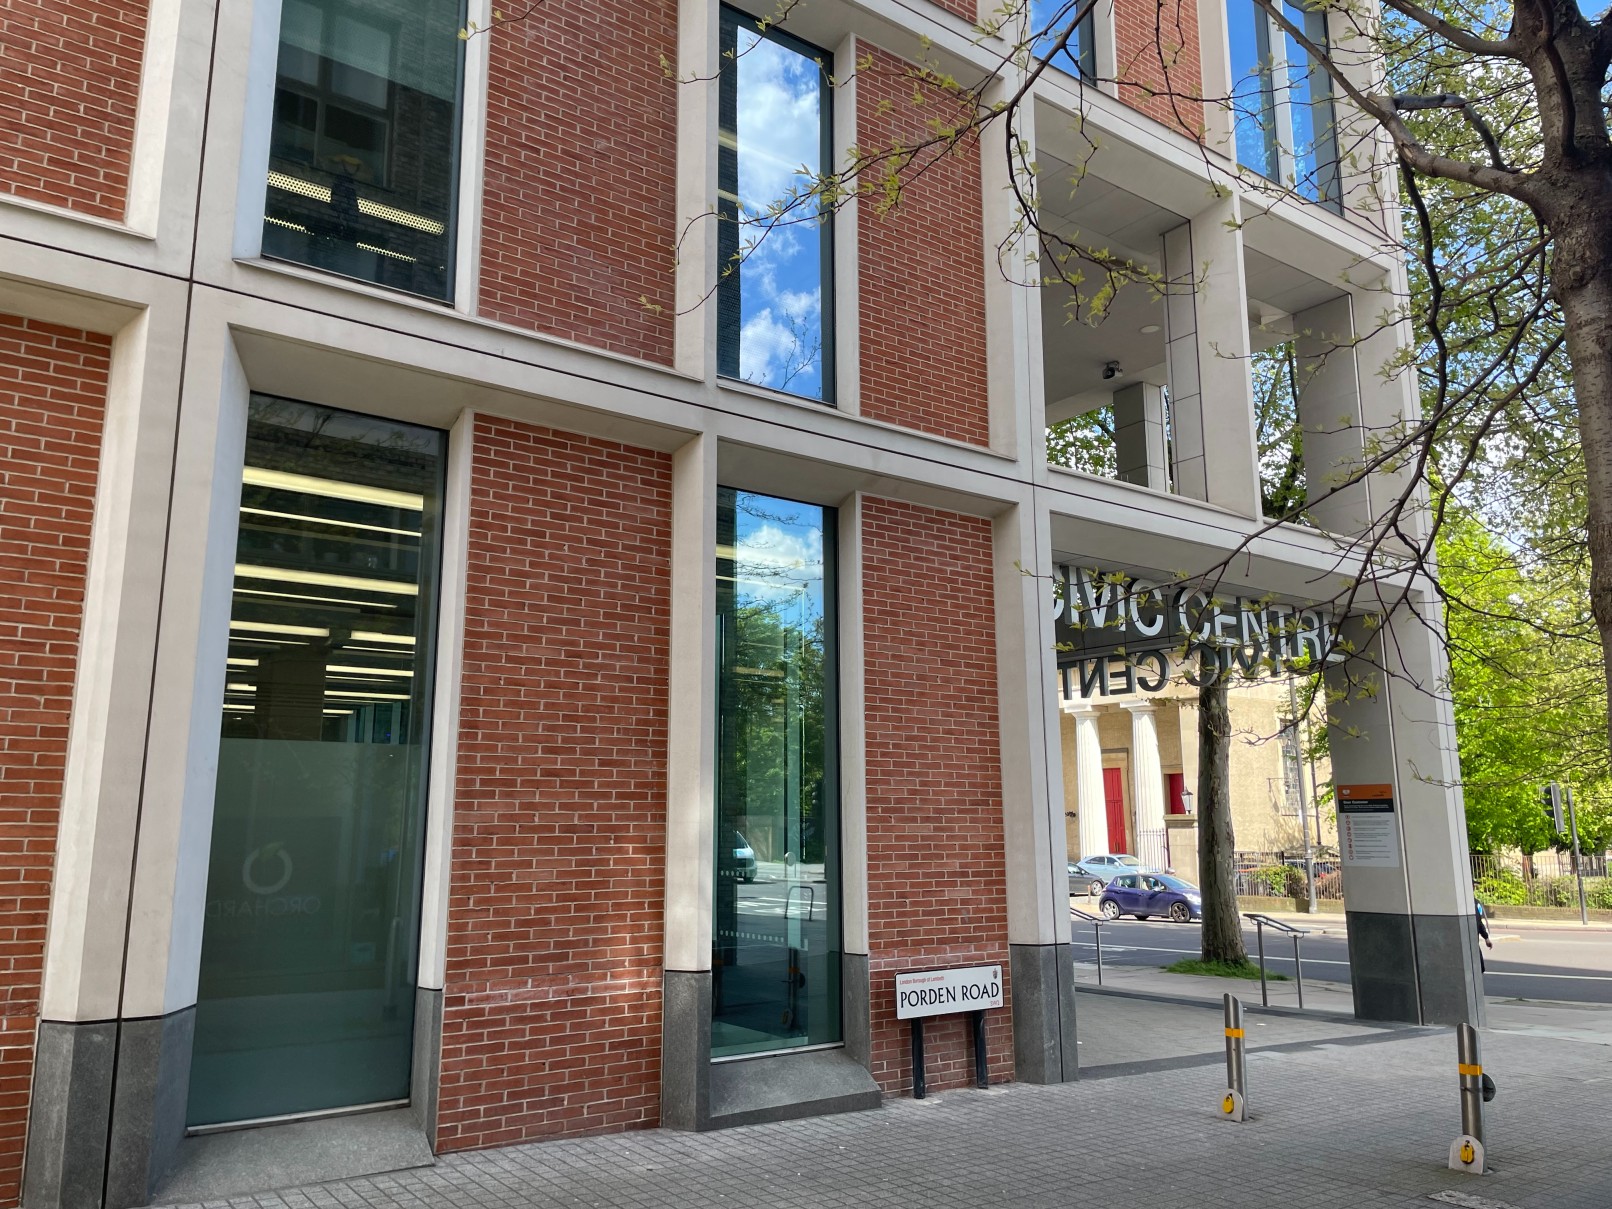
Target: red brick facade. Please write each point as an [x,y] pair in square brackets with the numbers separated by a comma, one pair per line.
[552,1009]
[937,889]
[1159,68]
[579,222]
[52,401]
[69,81]
[922,292]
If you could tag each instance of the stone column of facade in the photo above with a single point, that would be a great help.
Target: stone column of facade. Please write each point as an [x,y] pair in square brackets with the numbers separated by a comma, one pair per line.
[1211,396]
[1140,444]
[1147,784]
[1412,942]
[1090,814]
[1032,804]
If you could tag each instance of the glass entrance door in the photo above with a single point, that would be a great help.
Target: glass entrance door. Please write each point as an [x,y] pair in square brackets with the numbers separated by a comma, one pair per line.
[306,998]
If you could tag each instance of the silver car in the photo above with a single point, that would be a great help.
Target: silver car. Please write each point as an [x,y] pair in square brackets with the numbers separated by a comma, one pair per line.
[1092,873]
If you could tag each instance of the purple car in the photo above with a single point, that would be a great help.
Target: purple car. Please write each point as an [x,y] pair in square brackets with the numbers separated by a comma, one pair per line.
[1147,894]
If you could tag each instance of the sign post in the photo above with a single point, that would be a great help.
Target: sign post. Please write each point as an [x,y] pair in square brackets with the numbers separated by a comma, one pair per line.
[924,993]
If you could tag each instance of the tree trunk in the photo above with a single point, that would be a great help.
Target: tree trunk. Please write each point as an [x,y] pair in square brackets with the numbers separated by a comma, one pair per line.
[1583,286]
[1222,937]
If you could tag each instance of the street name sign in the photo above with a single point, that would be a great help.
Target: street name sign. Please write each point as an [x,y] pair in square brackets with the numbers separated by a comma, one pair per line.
[921,993]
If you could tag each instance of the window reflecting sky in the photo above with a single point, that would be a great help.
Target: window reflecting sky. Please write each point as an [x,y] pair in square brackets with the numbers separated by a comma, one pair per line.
[1079,55]
[780,114]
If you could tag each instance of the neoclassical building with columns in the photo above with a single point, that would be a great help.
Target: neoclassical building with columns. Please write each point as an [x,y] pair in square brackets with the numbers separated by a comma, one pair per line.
[478,672]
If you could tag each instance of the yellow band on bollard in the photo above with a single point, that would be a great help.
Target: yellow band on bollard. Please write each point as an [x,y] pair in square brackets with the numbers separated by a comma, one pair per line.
[1466,1069]
[1234,1032]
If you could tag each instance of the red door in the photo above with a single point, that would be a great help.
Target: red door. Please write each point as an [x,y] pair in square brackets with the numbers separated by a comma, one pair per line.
[1114,799]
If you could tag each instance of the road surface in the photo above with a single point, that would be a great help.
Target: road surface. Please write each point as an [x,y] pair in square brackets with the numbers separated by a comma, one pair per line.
[1534,963]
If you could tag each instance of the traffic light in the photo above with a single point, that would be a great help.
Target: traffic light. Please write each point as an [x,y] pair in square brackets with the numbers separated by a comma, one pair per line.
[1551,798]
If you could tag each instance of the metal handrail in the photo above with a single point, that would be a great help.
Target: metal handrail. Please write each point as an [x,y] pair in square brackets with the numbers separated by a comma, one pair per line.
[1260,922]
[1096,922]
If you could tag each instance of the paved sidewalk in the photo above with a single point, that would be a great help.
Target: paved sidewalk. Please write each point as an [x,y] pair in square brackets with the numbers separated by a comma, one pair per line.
[1344,1117]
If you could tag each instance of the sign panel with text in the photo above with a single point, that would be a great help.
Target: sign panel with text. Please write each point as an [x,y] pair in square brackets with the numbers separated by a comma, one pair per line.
[941,992]
[1368,832]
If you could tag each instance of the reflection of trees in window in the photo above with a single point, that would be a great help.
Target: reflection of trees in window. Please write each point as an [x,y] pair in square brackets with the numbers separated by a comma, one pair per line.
[1284,489]
[776,921]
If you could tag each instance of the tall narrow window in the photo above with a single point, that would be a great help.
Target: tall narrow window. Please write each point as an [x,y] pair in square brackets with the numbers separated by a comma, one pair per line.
[775,297]
[363,158]
[776,935]
[1282,100]
[1049,19]
[306,995]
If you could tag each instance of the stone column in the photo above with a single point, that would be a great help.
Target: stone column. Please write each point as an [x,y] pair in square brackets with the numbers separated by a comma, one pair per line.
[1147,784]
[1032,802]
[1139,436]
[1090,813]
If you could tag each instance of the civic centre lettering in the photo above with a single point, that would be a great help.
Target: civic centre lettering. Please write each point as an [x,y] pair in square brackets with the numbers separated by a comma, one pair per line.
[1119,634]
[922,993]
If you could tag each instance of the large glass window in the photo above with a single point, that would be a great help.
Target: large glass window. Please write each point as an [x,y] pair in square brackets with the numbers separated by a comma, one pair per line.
[306,997]
[363,163]
[1049,18]
[776,938]
[775,305]
[1282,100]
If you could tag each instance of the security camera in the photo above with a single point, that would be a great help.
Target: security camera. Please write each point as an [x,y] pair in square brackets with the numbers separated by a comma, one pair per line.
[1111,370]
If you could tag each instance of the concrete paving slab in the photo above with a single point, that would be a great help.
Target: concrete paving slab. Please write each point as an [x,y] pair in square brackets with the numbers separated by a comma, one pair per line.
[1335,1124]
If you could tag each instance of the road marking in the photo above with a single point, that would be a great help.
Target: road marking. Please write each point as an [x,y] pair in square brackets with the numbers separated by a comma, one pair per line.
[1081,944]
[1581,977]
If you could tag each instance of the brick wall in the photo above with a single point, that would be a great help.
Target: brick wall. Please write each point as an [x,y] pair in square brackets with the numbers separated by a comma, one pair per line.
[552,1009]
[1156,54]
[923,273]
[52,400]
[937,891]
[69,81]
[579,212]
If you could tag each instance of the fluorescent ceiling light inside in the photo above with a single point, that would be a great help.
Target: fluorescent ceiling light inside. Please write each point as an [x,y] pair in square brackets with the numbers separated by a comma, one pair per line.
[324,579]
[354,669]
[235,661]
[329,520]
[307,484]
[369,247]
[241,688]
[366,604]
[272,627]
[331,692]
[377,636]
[302,188]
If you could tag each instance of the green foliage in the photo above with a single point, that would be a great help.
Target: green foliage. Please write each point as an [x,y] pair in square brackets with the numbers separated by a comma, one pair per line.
[1530,700]
[1221,969]
[1278,881]
[1504,887]
[1084,443]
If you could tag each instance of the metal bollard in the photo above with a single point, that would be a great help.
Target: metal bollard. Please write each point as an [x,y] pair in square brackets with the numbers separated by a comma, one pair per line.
[1097,938]
[1298,969]
[1466,1152]
[1233,1106]
[1259,933]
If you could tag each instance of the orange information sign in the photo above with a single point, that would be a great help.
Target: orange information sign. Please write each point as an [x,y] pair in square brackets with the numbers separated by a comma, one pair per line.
[1368,833]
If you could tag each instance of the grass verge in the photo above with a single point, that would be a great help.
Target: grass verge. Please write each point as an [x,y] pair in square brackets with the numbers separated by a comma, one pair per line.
[1221,969]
